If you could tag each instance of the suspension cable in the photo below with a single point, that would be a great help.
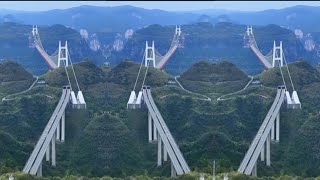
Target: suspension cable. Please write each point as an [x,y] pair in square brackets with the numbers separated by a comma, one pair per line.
[135,84]
[145,75]
[282,76]
[73,71]
[65,67]
[288,71]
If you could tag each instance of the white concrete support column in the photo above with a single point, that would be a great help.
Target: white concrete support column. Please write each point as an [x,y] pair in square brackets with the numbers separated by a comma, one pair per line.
[159,163]
[272,131]
[39,172]
[149,127]
[53,149]
[268,161]
[154,131]
[263,152]
[48,153]
[59,54]
[254,171]
[63,126]
[173,171]
[58,131]
[278,127]
[165,154]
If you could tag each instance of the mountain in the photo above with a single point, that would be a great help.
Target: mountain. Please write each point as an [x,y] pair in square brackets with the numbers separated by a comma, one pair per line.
[296,17]
[222,41]
[130,17]
[15,41]
[85,17]
[108,139]
[223,77]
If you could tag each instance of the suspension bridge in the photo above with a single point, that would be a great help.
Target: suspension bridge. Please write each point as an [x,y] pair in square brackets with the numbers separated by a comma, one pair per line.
[158,131]
[157,128]
[158,60]
[249,41]
[270,128]
[55,128]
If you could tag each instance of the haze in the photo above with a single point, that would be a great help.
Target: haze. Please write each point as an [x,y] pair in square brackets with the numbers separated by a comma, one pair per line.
[163,5]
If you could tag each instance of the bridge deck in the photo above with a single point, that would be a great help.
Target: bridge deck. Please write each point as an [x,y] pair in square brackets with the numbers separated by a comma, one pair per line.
[256,145]
[39,151]
[174,153]
[261,57]
[46,57]
[166,57]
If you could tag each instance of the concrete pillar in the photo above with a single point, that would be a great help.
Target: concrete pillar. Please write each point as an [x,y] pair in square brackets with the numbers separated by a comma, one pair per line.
[263,152]
[165,154]
[154,131]
[48,153]
[58,131]
[159,151]
[53,148]
[173,171]
[39,172]
[272,131]
[63,126]
[149,127]
[278,127]
[254,170]
[268,161]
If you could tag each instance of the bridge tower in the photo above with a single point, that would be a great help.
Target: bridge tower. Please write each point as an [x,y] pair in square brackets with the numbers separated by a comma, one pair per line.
[249,30]
[277,54]
[34,30]
[150,55]
[246,37]
[63,54]
[178,30]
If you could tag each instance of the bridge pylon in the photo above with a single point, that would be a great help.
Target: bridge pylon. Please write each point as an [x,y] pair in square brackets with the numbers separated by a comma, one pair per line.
[63,54]
[178,30]
[150,55]
[34,30]
[277,54]
[249,30]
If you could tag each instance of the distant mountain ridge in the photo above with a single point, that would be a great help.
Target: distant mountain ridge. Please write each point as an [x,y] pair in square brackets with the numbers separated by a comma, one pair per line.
[294,17]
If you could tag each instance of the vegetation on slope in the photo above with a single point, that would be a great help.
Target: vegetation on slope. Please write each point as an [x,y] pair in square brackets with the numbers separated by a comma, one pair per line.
[108,139]
[206,77]
[13,78]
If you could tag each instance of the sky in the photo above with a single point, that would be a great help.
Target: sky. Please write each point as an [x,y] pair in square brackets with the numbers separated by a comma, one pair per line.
[164,5]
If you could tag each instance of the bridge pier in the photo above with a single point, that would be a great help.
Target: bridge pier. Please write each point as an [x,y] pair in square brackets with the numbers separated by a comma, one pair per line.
[63,129]
[58,131]
[173,171]
[254,171]
[154,131]
[165,154]
[149,127]
[278,128]
[159,151]
[53,149]
[263,152]
[39,172]
[48,153]
[268,161]
[272,132]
